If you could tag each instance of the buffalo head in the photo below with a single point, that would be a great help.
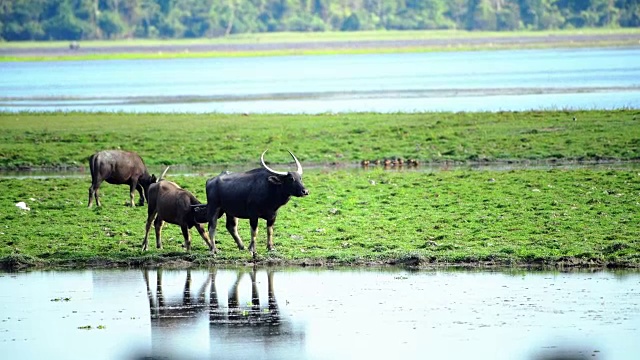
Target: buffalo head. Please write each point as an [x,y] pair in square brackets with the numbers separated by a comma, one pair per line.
[291,181]
[146,181]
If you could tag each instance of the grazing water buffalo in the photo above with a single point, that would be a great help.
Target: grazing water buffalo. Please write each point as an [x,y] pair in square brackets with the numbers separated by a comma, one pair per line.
[169,202]
[254,194]
[119,167]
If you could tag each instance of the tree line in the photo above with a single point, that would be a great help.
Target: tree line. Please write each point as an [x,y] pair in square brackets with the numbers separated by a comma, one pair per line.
[116,19]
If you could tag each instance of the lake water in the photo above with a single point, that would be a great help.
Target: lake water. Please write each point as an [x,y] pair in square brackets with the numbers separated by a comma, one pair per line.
[446,81]
[302,313]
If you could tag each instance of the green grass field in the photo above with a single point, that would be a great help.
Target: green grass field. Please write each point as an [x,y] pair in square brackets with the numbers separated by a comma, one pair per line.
[461,217]
[68,139]
[562,217]
[284,43]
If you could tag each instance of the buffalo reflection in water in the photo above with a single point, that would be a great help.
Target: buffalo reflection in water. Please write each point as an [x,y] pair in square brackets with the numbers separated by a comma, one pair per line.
[235,314]
[236,318]
[166,312]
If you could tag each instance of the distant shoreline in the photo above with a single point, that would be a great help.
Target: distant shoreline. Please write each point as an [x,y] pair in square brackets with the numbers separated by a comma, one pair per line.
[314,44]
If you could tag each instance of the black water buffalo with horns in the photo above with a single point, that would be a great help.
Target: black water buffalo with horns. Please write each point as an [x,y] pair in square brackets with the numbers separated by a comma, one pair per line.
[255,194]
[119,167]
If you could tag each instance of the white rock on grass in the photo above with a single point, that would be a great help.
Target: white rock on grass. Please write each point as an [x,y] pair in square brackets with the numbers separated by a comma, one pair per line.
[23,206]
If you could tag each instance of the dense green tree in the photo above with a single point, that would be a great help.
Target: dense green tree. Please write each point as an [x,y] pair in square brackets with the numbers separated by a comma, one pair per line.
[589,13]
[20,19]
[103,19]
[457,12]
[110,24]
[193,17]
[351,23]
[629,12]
[481,16]
[88,12]
[65,25]
[420,14]
[149,12]
[508,16]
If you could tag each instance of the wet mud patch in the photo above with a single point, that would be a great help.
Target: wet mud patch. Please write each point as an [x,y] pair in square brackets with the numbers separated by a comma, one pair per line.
[408,261]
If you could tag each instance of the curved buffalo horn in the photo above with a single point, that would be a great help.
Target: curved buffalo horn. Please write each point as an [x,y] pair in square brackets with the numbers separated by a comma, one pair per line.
[268,168]
[163,174]
[298,165]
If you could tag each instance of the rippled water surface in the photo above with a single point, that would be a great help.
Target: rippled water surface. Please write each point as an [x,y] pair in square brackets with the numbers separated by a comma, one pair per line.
[318,314]
[448,81]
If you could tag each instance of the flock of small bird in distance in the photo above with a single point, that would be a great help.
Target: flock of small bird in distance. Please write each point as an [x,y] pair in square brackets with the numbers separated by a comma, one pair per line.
[397,162]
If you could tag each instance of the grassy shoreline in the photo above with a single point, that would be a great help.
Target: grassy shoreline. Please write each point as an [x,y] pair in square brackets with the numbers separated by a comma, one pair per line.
[331,43]
[165,55]
[288,37]
[522,218]
[530,218]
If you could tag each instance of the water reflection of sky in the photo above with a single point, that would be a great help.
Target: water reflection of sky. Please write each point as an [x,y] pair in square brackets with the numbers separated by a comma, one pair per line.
[336,104]
[542,79]
[325,314]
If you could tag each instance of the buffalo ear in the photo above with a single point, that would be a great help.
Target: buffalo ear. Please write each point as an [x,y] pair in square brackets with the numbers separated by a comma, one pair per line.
[275,180]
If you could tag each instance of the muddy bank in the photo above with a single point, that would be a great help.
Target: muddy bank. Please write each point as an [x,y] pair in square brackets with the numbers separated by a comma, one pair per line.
[410,261]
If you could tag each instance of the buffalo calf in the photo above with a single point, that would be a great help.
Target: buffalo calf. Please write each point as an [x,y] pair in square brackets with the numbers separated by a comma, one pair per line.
[169,202]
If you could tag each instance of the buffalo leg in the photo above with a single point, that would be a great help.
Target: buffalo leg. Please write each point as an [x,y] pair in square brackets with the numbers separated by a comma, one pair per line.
[232,226]
[152,306]
[255,297]
[186,292]
[270,234]
[145,242]
[93,193]
[187,237]
[141,193]
[233,302]
[254,233]
[213,223]
[273,304]
[132,190]
[203,235]
[215,315]
[158,225]
[254,315]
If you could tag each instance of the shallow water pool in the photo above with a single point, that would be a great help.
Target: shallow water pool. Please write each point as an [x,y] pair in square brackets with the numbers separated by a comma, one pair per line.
[305,313]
